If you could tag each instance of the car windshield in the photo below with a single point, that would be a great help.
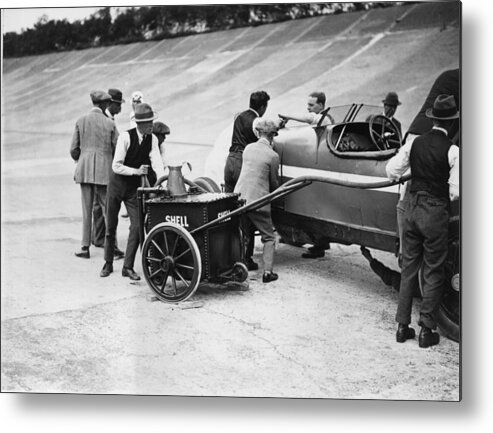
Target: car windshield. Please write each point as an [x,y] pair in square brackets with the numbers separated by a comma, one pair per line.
[353,112]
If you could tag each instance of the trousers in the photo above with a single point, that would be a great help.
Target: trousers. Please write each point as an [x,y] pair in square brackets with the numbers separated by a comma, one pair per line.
[121,190]
[261,220]
[425,244]
[90,194]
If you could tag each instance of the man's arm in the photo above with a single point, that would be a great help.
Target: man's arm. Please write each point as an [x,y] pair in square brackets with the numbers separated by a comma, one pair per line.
[399,163]
[157,162]
[274,173]
[453,159]
[75,145]
[118,167]
[305,118]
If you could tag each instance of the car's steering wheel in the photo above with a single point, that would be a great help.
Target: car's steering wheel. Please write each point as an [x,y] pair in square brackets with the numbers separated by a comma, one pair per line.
[383,133]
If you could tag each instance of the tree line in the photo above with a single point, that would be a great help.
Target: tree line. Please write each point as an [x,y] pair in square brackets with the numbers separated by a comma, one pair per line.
[158,22]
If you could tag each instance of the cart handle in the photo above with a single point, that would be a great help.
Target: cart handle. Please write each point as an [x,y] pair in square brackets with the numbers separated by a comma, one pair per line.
[294,185]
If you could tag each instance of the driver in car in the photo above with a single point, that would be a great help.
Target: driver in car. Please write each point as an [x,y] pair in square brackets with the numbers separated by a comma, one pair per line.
[315,105]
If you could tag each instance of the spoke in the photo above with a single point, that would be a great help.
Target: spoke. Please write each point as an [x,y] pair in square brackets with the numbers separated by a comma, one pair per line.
[153,259]
[184,266]
[182,254]
[172,253]
[166,241]
[173,282]
[181,278]
[164,282]
[155,273]
[157,246]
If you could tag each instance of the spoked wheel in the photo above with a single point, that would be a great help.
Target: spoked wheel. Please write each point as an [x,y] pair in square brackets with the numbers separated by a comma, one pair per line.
[171,262]
[383,132]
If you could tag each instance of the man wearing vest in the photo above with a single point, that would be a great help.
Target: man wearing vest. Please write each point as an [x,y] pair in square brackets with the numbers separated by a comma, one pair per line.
[434,163]
[243,134]
[136,149]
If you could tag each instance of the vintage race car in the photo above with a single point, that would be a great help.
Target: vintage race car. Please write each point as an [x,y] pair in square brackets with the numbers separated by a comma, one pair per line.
[353,151]
[346,197]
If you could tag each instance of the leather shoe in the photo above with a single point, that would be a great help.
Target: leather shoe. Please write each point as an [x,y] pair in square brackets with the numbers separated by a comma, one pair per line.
[427,337]
[269,276]
[118,254]
[404,332]
[107,269]
[98,245]
[83,253]
[130,273]
[251,265]
[313,253]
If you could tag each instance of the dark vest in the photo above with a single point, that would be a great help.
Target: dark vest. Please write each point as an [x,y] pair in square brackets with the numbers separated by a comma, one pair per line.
[137,154]
[242,131]
[429,164]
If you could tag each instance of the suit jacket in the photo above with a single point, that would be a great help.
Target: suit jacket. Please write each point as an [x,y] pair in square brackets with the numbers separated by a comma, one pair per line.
[93,145]
[259,172]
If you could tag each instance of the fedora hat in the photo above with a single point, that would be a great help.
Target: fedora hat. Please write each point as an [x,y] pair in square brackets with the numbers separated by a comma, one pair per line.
[99,96]
[143,113]
[116,96]
[392,99]
[444,108]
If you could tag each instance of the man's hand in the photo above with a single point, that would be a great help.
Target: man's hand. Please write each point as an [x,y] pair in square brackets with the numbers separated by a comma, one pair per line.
[142,170]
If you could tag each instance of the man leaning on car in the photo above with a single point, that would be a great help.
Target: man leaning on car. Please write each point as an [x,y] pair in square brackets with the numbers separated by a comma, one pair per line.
[434,162]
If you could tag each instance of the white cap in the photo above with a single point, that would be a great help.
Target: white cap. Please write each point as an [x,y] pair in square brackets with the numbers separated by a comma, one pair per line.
[137,96]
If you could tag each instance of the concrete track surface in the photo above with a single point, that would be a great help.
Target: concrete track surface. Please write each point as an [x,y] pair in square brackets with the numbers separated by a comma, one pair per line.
[325,329]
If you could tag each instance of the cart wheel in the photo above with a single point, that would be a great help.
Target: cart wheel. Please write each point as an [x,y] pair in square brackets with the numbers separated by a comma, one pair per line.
[171,262]
[240,272]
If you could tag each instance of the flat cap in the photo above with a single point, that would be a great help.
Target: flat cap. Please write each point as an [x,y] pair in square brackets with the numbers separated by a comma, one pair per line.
[137,96]
[99,96]
[160,128]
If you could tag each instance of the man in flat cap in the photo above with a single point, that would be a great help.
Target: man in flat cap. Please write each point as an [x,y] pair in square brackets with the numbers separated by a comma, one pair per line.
[136,150]
[93,143]
[99,227]
[434,162]
[259,176]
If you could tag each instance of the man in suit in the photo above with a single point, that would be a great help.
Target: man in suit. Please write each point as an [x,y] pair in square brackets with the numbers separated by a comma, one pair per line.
[99,227]
[93,143]
[434,162]
[136,150]
[260,176]
[243,134]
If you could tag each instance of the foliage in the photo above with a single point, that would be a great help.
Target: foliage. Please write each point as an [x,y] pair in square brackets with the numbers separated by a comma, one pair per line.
[157,22]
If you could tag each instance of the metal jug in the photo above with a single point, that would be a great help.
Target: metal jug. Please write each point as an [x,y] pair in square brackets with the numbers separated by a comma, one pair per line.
[176,184]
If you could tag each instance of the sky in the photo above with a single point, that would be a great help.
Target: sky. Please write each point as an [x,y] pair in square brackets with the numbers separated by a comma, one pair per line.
[15,20]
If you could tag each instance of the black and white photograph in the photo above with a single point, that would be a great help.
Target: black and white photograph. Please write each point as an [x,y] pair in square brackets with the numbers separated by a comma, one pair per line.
[237,200]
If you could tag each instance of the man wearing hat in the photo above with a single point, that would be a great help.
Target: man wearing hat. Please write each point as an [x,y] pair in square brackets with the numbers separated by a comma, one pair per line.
[136,150]
[258,177]
[93,143]
[434,162]
[116,102]
[99,227]
[390,104]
